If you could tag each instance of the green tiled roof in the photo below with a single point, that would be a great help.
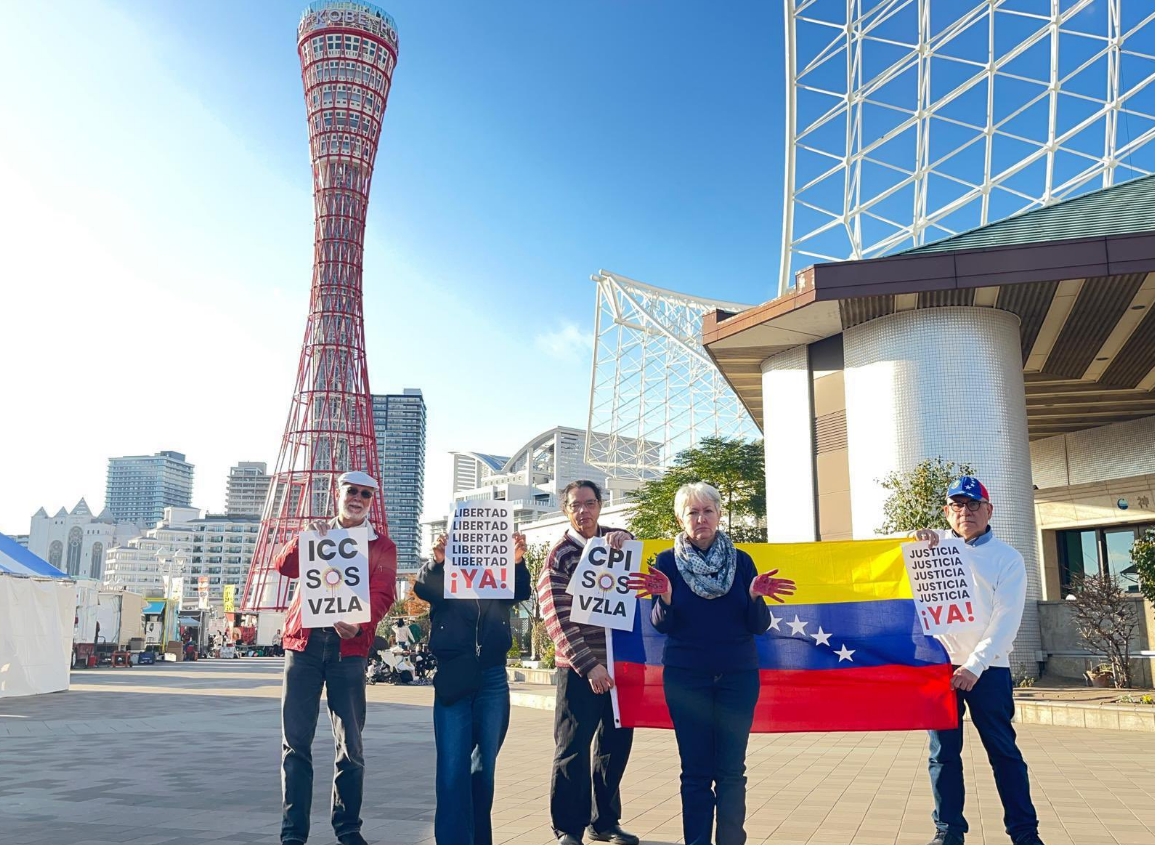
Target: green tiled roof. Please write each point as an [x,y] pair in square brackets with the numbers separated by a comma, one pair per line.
[1122,209]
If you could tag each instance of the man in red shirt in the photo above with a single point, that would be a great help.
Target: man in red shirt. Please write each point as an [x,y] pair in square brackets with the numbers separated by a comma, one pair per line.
[334,658]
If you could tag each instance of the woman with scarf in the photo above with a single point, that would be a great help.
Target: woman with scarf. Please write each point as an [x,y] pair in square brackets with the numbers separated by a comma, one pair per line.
[708,600]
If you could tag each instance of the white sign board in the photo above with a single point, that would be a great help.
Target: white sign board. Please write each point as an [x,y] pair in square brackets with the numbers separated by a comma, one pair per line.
[479,551]
[598,585]
[943,585]
[334,577]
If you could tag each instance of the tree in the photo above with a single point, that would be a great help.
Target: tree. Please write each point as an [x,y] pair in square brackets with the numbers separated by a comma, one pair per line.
[1143,559]
[916,497]
[735,467]
[1106,620]
[535,558]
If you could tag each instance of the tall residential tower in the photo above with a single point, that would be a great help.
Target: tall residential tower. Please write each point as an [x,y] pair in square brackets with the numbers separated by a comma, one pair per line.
[399,422]
[140,487]
[348,51]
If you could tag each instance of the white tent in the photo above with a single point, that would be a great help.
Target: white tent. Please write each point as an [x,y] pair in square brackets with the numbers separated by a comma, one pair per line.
[37,615]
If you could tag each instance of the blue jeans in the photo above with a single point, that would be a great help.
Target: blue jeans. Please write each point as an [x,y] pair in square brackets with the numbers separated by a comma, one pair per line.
[712,716]
[992,707]
[321,664]
[468,734]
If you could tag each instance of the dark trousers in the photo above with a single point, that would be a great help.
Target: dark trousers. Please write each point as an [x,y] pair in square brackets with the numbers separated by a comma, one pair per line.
[992,707]
[343,678]
[582,717]
[712,716]
[468,735]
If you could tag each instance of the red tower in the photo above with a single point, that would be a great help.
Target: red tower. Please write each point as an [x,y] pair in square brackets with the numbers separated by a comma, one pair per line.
[348,51]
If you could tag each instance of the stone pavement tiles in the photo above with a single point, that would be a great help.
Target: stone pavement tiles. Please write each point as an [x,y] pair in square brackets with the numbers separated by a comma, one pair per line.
[188,754]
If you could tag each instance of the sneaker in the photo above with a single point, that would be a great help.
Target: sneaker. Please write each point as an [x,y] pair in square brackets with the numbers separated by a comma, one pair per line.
[614,835]
[944,838]
[568,839]
[352,839]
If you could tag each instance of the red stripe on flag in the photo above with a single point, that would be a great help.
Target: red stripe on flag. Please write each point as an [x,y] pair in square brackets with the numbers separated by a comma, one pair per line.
[879,698]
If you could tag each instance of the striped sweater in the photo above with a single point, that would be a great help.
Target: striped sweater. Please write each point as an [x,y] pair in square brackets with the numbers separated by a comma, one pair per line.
[576,646]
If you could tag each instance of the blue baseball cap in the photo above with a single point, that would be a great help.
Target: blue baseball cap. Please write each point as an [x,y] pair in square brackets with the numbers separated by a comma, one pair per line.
[970,487]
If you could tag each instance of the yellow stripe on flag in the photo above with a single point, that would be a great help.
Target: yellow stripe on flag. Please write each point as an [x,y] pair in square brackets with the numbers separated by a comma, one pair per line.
[836,571]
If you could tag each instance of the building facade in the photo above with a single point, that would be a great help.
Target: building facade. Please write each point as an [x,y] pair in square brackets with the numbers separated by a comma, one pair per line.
[399,425]
[531,480]
[248,485]
[1025,348]
[77,542]
[184,547]
[140,487]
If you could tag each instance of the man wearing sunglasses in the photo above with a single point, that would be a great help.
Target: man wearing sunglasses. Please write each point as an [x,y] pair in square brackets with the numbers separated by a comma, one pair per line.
[982,675]
[334,658]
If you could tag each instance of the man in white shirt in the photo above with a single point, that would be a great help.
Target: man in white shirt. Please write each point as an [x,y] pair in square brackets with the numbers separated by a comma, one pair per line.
[982,675]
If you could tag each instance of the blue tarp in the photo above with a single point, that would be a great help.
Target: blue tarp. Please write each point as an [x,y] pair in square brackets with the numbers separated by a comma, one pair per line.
[17,560]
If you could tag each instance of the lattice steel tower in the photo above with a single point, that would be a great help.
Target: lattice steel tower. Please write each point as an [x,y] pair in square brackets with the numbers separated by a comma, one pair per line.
[348,51]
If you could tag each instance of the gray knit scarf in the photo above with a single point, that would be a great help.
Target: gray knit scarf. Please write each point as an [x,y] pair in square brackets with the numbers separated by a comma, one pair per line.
[709,574]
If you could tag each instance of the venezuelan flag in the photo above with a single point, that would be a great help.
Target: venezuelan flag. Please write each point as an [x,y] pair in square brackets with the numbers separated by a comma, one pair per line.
[845,653]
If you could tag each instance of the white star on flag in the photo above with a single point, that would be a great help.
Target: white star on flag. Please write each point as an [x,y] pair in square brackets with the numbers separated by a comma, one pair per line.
[844,653]
[797,626]
[774,620]
[821,638]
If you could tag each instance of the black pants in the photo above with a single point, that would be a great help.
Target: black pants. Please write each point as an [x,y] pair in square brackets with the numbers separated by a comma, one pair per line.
[583,717]
[321,664]
[712,717]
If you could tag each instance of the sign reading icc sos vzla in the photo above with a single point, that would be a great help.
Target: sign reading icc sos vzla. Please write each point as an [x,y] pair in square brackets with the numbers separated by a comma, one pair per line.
[598,585]
[334,577]
[479,551]
[943,585]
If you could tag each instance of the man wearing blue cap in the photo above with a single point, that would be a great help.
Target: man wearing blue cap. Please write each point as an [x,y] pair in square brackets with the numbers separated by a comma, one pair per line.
[982,675]
[333,657]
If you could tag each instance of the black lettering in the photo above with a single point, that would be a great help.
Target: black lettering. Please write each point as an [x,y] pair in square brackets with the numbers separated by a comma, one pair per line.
[347,548]
[312,578]
[352,576]
[325,546]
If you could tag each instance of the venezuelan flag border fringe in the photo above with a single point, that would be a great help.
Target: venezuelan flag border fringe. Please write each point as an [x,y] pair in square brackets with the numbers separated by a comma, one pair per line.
[845,653]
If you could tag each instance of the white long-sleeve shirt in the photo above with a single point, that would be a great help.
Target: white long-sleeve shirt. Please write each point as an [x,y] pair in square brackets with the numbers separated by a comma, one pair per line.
[1000,592]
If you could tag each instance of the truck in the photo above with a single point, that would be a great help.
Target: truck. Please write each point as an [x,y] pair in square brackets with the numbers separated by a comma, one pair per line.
[121,618]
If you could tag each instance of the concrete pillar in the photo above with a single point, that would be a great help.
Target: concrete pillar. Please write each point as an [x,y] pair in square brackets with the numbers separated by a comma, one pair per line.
[788,430]
[945,382]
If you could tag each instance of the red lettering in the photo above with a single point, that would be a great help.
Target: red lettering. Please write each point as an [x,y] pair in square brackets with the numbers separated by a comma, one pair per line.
[954,615]
[487,579]
[936,612]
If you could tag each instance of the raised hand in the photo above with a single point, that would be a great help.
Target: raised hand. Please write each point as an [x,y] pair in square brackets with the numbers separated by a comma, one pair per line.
[439,549]
[654,582]
[776,589]
[519,547]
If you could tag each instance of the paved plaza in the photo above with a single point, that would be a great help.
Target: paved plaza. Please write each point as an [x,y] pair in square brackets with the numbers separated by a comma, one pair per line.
[187,754]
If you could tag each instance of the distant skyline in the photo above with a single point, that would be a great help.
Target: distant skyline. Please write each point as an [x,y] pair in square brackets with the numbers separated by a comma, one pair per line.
[163,239]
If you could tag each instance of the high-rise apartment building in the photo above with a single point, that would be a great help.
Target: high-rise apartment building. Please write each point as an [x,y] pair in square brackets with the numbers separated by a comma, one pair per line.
[140,487]
[399,425]
[248,486]
[470,468]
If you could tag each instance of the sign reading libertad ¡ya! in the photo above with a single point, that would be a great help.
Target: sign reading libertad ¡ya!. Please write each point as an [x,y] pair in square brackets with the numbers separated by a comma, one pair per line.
[942,583]
[334,577]
[479,551]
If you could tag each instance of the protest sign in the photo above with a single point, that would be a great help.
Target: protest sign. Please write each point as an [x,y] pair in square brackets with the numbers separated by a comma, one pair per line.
[479,551]
[598,585]
[942,583]
[334,577]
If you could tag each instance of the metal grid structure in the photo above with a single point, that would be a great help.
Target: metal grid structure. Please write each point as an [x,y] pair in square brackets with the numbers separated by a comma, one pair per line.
[348,51]
[907,123]
[653,389]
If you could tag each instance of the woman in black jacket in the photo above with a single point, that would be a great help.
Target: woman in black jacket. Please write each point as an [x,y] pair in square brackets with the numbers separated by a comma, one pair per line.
[470,639]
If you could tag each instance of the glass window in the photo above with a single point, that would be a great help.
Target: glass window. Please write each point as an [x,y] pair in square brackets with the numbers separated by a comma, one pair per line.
[1117,544]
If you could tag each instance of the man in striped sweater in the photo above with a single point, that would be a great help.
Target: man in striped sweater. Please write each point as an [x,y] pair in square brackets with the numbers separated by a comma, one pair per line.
[584,713]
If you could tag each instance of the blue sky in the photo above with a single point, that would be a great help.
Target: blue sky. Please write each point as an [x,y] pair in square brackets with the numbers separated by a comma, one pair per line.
[161,220]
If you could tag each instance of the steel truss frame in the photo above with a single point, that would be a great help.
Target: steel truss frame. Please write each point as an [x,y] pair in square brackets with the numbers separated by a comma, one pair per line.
[653,389]
[905,126]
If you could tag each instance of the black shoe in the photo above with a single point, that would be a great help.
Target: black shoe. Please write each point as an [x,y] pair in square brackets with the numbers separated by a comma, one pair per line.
[352,839]
[568,839]
[944,838]
[614,835]
[1033,839]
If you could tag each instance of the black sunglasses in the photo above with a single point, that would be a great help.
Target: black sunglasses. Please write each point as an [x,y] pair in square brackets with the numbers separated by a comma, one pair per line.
[364,493]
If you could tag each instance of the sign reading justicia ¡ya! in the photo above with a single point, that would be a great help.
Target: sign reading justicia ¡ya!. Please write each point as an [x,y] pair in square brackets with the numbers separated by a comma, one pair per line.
[942,583]
[479,551]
